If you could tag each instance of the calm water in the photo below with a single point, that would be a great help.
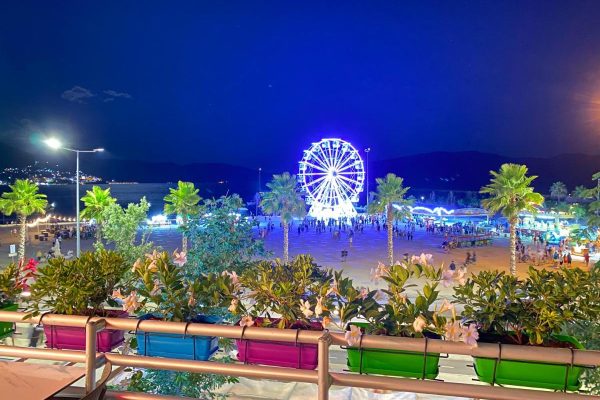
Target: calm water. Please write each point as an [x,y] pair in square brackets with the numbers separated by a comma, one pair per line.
[64,195]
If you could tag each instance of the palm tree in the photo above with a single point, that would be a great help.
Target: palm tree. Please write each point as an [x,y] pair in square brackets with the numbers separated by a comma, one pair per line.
[558,190]
[593,218]
[183,201]
[510,193]
[284,199]
[95,202]
[390,192]
[23,200]
[580,192]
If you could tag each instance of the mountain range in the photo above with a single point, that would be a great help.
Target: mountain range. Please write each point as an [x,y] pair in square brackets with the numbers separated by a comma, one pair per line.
[467,170]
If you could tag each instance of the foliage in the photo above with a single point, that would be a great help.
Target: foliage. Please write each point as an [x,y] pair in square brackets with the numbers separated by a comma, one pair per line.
[580,192]
[167,294]
[183,201]
[220,239]
[79,286]
[510,192]
[24,200]
[296,293]
[95,202]
[171,383]
[283,199]
[558,190]
[390,192]
[14,279]
[122,226]
[529,310]
[588,334]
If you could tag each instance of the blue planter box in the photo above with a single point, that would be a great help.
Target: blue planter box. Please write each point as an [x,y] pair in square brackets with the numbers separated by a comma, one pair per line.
[178,346]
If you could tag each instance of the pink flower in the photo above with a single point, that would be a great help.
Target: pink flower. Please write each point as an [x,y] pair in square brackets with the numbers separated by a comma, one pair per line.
[453,331]
[419,324]
[380,296]
[326,322]
[446,306]
[192,300]
[333,289]
[305,308]
[155,255]
[447,278]
[246,321]
[233,306]
[116,294]
[179,258]
[319,306]
[364,292]
[131,303]
[136,265]
[379,272]
[469,335]
[235,279]
[353,335]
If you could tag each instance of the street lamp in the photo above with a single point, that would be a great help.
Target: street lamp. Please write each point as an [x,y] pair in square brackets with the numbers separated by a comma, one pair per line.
[56,144]
[367,151]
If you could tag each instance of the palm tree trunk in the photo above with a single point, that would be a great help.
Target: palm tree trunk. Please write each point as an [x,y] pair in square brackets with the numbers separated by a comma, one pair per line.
[286,243]
[513,248]
[98,233]
[390,233]
[23,236]
[184,237]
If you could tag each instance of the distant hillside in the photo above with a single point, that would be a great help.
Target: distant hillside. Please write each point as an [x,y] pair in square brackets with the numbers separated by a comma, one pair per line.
[470,170]
[436,170]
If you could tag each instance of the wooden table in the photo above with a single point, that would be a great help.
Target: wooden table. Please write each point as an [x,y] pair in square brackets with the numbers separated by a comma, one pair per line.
[29,381]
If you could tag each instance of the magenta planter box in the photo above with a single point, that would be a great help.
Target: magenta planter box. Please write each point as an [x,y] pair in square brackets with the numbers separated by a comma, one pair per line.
[279,354]
[73,338]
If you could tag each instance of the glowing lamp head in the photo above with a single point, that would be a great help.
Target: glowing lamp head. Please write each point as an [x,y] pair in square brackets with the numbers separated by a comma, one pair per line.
[53,143]
[99,150]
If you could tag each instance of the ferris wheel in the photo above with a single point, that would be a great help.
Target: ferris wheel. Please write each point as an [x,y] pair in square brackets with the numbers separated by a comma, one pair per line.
[331,175]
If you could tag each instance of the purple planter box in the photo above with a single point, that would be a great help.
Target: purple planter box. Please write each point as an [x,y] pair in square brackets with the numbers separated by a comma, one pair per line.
[73,338]
[279,354]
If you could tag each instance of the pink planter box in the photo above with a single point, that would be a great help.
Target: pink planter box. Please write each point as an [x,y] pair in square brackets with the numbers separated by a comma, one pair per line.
[279,354]
[73,338]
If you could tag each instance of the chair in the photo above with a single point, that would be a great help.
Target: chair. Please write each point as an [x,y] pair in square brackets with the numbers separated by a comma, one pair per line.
[97,394]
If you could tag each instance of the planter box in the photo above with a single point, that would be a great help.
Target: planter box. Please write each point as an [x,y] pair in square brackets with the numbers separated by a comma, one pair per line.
[7,328]
[407,364]
[279,354]
[393,363]
[178,346]
[531,374]
[73,338]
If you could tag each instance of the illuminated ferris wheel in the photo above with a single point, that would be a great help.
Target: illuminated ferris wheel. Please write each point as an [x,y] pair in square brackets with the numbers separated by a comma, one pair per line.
[331,174]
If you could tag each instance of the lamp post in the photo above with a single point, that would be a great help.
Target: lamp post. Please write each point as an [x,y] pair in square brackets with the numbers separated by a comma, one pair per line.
[367,151]
[56,144]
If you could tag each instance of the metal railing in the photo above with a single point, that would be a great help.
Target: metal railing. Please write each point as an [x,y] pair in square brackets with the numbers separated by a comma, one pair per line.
[322,377]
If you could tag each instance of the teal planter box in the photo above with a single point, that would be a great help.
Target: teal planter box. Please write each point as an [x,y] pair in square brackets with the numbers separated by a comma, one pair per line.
[7,328]
[183,347]
[406,364]
[531,374]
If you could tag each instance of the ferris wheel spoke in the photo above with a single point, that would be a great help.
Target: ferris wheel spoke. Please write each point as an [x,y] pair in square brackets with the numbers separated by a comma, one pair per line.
[341,194]
[349,180]
[315,181]
[325,160]
[314,173]
[344,155]
[319,158]
[345,168]
[315,166]
[318,193]
[340,182]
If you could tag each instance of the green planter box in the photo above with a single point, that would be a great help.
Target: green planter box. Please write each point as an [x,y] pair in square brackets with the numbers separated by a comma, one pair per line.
[7,328]
[393,363]
[406,364]
[531,374]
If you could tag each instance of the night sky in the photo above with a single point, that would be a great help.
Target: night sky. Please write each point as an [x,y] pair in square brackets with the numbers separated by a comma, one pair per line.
[252,83]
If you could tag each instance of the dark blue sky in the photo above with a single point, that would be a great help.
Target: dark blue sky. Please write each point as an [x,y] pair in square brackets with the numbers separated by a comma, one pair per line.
[253,83]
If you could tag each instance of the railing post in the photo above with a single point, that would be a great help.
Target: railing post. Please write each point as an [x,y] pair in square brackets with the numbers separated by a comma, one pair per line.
[91,330]
[324,380]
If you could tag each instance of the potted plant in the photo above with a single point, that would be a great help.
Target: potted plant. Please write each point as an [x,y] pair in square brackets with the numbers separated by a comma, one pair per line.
[162,293]
[529,312]
[81,286]
[402,316]
[278,295]
[14,279]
